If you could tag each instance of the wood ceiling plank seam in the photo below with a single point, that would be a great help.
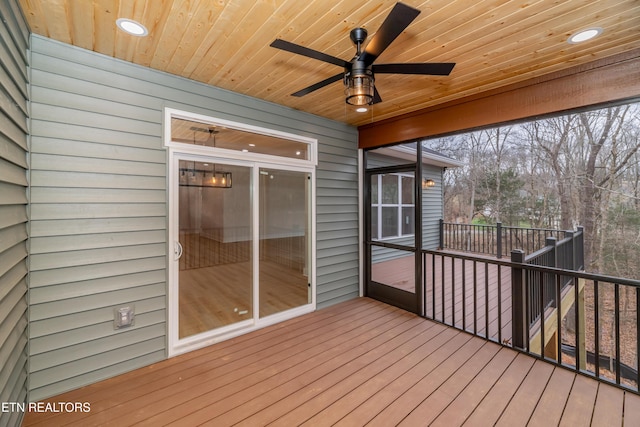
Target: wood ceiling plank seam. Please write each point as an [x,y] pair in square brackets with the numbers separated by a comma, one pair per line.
[204,67]
[207,44]
[292,64]
[155,18]
[540,18]
[123,40]
[469,42]
[35,17]
[258,47]
[58,22]
[81,21]
[506,58]
[139,12]
[242,32]
[548,57]
[452,17]
[200,21]
[326,20]
[105,13]
[430,46]
[182,12]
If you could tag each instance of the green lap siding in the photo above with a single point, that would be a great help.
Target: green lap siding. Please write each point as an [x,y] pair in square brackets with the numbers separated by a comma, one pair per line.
[99,212]
[13,209]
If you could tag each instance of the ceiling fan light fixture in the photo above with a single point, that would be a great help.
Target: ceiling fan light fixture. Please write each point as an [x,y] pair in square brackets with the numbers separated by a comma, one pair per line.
[584,35]
[359,88]
[132,27]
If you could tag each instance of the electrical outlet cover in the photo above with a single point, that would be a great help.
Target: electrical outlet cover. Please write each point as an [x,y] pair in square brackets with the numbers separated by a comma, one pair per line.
[123,317]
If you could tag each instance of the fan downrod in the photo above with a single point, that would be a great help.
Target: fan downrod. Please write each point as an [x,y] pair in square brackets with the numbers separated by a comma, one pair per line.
[358,36]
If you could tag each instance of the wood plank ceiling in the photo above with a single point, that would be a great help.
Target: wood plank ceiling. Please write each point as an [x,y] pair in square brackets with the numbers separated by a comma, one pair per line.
[225,43]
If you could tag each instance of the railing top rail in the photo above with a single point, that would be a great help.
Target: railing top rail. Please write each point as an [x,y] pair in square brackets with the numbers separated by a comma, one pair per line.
[513,227]
[579,274]
[538,253]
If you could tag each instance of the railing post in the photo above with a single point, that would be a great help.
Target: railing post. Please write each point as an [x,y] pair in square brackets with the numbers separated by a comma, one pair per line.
[519,322]
[553,257]
[571,257]
[499,240]
[441,242]
[579,250]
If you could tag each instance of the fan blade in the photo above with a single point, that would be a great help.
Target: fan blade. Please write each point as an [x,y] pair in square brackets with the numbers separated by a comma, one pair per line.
[398,19]
[428,68]
[310,53]
[376,96]
[318,85]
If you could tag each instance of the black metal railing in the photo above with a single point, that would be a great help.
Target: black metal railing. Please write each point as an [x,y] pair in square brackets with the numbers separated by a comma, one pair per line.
[592,329]
[497,240]
[566,254]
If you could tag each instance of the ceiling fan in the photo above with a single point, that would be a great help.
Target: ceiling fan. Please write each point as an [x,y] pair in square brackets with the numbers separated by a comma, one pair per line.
[359,72]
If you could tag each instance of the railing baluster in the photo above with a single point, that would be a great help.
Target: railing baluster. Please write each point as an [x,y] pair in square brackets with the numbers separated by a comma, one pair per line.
[559,321]
[576,306]
[464,295]
[499,303]
[475,297]
[596,324]
[637,339]
[486,300]
[499,240]
[453,291]
[616,311]
[433,284]
[443,288]
[542,307]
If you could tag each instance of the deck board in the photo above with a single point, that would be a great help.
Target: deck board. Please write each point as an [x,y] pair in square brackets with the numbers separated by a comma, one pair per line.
[357,363]
[525,399]
[494,403]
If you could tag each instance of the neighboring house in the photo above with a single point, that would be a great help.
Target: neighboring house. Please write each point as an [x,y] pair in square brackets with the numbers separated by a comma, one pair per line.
[89,178]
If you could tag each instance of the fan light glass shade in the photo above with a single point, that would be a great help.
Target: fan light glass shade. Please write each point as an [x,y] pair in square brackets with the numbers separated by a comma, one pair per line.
[359,89]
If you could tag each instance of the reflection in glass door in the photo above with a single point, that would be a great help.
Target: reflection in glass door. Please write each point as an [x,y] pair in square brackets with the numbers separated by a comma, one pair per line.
[215,286]
[284,240]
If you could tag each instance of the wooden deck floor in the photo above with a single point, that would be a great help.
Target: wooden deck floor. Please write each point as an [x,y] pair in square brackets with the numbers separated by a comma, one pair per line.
[357,363]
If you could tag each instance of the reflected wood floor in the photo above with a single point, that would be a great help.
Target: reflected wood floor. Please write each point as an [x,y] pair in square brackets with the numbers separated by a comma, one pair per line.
[211,297]
[357,363]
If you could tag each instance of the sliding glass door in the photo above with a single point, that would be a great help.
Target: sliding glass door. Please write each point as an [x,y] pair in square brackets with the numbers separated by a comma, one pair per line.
[242,247]
[215,235]
[284,240]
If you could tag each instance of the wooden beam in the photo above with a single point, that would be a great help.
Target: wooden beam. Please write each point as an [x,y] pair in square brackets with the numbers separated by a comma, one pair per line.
[607,80]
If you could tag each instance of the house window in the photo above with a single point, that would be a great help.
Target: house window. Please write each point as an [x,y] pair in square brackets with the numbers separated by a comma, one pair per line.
[235,140]
[392,206]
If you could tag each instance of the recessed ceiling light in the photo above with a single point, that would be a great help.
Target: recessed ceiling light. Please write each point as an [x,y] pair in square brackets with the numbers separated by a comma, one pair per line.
[584,35]
[132,27]
[362,109]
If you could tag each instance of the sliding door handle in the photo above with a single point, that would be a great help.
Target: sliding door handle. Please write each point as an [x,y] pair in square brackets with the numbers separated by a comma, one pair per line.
[178,251]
